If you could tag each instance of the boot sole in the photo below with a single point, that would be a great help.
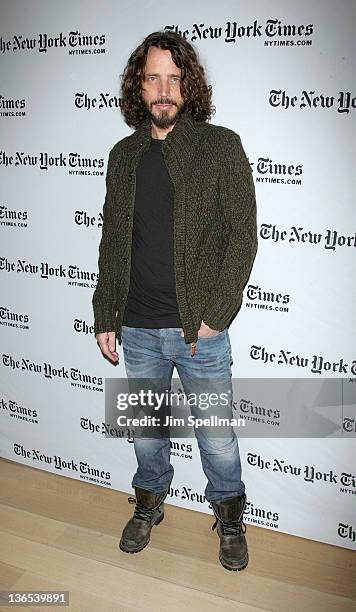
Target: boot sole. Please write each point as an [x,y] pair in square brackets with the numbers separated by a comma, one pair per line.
[136,550]
[232,568]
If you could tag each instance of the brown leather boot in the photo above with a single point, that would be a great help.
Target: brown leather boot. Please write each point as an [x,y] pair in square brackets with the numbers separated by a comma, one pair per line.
[149,511]
[233,554]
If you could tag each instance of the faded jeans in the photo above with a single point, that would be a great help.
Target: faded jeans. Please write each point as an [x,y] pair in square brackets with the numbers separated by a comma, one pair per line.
[153,353]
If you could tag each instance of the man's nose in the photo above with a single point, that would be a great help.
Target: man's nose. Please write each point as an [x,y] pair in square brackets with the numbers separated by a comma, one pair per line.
[164,88]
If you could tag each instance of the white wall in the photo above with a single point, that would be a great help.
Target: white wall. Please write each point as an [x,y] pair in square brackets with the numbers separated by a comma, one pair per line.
[50,215]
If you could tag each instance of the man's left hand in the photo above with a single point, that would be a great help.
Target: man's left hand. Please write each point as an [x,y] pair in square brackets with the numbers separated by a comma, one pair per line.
[205,331]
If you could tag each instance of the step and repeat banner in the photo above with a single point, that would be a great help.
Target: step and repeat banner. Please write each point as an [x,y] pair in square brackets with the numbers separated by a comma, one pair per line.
[283,76]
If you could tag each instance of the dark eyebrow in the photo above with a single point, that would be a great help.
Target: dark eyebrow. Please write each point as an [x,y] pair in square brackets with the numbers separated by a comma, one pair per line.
[156,74]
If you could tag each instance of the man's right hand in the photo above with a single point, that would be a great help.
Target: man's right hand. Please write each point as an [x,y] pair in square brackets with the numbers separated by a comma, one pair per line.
[107,343]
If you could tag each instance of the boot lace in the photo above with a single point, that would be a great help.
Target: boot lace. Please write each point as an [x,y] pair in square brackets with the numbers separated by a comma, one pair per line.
[232,527]
[141,512]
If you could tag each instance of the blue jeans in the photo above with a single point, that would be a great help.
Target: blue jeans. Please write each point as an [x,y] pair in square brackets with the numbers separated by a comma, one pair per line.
[153,353]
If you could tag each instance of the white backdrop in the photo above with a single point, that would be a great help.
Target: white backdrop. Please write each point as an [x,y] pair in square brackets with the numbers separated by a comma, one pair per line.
[283,78]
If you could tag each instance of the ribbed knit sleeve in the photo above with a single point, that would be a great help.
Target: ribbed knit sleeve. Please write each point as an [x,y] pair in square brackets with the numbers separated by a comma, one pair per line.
[105,294]
[238,198]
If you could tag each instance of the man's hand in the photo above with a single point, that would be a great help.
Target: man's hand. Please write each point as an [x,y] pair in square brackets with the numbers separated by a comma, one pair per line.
[107,342]
[205,331]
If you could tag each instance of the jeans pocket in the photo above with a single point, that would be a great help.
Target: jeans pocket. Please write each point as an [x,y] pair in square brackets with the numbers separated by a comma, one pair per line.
[211,337]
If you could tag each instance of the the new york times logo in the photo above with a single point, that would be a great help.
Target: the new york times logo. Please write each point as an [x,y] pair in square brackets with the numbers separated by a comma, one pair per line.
[349,425]
[231,31]
[12,104]
[346,532]
[179,449]
[187,493]
[11,318]
[16,218]
[101,101]
[73,375]
[74,275]
[309,473]
[262,516]
[47,161]
[82,468]
[312,100]
[261,299]
[318,364]
[277,173]
[45,42]
[80,326]
[82,218]
[106,429]
[330,240]
[17,411]
[257,413]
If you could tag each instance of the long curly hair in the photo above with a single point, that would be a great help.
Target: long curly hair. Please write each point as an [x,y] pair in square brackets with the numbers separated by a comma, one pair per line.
[195,91]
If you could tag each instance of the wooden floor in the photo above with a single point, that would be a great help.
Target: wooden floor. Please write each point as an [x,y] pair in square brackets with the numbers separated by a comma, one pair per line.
[61,534]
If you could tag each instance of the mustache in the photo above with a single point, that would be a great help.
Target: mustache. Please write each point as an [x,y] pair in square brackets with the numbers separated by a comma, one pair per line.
[163,101]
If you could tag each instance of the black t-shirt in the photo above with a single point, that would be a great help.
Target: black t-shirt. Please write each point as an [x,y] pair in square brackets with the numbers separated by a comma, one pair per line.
[152,298]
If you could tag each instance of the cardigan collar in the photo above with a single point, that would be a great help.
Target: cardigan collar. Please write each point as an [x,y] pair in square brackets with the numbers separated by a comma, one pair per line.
[180,137]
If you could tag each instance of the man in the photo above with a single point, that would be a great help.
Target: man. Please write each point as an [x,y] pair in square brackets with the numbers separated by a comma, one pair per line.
[178,242]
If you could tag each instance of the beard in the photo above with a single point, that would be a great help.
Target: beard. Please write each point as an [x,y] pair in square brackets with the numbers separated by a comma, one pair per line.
[165,117]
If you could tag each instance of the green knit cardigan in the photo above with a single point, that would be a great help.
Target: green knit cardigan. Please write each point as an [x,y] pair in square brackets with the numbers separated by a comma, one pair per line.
[215,232]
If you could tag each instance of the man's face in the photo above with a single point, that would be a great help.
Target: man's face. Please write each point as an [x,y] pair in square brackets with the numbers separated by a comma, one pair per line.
[161,88]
